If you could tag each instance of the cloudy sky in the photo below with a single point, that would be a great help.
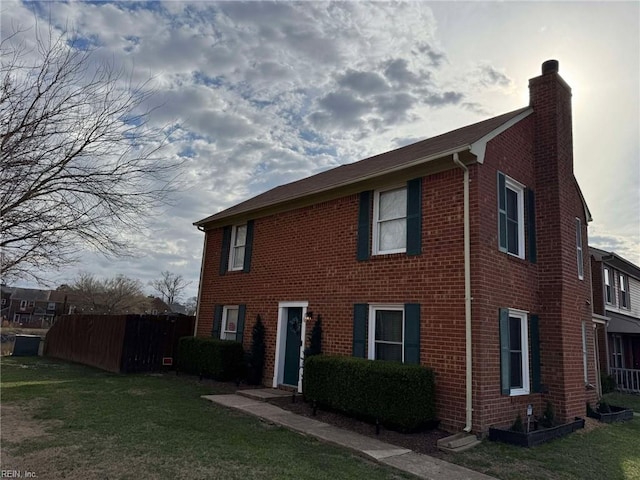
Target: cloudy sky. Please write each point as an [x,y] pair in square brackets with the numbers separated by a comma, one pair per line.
[259,94]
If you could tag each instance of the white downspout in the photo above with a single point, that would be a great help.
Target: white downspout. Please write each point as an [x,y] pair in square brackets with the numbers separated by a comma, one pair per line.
[467,297]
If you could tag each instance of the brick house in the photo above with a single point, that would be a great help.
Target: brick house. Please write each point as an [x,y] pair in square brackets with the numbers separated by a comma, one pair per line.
[465,252]
[616,305]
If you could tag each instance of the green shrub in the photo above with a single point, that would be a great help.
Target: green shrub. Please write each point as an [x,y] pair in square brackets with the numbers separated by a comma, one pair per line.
[397,395]
[209,357]
[608,383]
[315,342]
[257,355]
[517,426]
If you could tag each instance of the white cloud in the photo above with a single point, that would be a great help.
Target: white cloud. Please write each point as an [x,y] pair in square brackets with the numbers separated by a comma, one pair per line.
[262,93]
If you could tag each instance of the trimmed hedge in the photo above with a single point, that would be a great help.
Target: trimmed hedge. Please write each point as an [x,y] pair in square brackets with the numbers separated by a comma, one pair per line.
[210,357]
[399,396]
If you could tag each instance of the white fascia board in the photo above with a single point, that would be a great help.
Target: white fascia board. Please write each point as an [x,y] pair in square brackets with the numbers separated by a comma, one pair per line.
[479,147]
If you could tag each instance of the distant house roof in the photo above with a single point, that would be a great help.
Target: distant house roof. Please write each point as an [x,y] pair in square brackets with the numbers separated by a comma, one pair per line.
[616,261]
[30,294]
[472,137]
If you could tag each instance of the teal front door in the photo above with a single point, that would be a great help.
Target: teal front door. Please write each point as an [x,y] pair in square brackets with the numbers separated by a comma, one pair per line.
[292,347]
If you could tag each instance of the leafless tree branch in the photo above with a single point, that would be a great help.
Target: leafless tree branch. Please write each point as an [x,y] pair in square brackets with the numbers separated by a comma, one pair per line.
[81,165]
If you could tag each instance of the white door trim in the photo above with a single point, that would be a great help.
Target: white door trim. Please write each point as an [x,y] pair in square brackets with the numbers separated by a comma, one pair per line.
[281,342]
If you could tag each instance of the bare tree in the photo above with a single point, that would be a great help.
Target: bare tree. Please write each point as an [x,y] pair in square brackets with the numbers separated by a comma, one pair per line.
[116,295]
[170,286]
[78,158]
[191,306]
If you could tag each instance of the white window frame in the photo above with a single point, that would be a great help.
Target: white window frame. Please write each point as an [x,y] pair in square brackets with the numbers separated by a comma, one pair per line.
[23,304]
[579,253]
[4,301]
[623,286]
[234,247]
[51,305]
[617,351]
[519,189]
[372,327]
[523,316]
[376,222]
[609,291]
[225,317]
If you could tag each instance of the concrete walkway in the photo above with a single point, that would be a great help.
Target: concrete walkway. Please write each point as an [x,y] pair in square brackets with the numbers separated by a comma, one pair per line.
[422,466]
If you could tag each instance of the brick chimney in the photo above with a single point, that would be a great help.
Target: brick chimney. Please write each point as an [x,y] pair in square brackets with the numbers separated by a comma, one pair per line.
[562,295]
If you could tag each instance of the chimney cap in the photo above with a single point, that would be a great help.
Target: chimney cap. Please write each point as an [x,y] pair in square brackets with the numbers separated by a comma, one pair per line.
[550,66]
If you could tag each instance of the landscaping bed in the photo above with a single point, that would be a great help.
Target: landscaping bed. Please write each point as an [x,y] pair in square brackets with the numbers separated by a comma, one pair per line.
[614,414]
[534,437]
[421,442]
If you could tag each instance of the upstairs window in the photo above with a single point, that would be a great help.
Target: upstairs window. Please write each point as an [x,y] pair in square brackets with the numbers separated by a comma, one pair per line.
[23,304]
[579,249]
[624,291]
[238,243]
[608,287]
[390,226]
[51,306]
[510,216]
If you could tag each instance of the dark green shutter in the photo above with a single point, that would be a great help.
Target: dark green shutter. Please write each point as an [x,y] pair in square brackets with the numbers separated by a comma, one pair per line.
[217,321]
[531,226]
[534,333]
[414,217]
[242,309]
[224,254]
[364,225]
[502,213]
[248,247]
[505,355]
[412,333]
[360,320]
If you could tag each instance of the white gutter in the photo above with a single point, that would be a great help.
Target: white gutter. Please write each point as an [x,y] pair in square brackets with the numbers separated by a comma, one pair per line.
[204,255]
[467,297]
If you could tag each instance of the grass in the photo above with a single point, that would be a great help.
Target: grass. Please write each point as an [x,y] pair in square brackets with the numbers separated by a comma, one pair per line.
[623,400]
[63,420]
[609,452]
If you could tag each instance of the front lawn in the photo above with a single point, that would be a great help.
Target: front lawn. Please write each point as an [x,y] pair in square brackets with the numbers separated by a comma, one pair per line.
[599,452]
[623,400]
[61,420]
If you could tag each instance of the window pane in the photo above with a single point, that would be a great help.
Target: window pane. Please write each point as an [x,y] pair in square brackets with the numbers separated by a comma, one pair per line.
[229,336]
[512,205]
[389,325]
[385,351]
[516,370]
[515,334]
[512,237]
[238,257]
[393,235]
[393,204]
[241,235]
[232,320]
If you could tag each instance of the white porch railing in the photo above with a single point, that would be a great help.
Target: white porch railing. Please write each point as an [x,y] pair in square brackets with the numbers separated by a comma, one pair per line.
[627,380]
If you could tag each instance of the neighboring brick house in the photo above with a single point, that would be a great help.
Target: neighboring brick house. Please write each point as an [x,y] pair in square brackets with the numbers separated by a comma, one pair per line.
[464,252]
[30,307]
[616,300]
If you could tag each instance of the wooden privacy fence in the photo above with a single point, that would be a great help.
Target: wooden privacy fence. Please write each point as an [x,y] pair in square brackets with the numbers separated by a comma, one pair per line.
[118,343]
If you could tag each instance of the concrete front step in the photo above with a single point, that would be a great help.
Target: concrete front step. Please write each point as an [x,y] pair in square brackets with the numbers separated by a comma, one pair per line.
[457,443]
[264,394]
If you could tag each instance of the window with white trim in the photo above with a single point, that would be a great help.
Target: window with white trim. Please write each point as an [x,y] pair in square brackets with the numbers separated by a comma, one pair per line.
[229,327]
[623,286]
[617,352]
[608,287]
[518,353]
[386,332]
[390,221]
[4,302]
[238,243]
[51,306]
[580,258]
[511,217]
[23,304]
